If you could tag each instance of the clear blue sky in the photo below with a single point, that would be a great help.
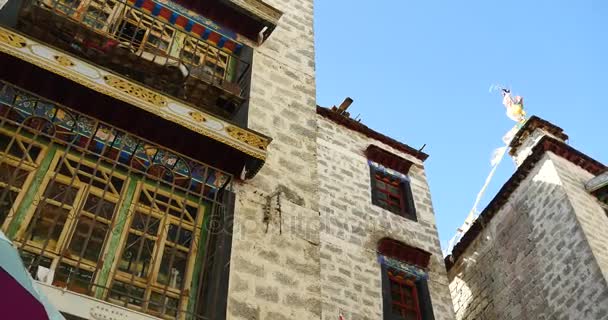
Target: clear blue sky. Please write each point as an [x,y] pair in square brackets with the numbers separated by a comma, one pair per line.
[420,71]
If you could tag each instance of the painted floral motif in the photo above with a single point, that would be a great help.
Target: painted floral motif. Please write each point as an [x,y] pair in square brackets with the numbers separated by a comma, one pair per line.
[12,39]
[248,137]
[197,116]
[135,90]
[64,61]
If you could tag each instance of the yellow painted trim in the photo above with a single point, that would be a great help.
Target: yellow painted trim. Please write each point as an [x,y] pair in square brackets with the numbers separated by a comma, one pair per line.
[120,88]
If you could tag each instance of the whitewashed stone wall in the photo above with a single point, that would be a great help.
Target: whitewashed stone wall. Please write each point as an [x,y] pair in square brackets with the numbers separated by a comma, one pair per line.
[534,260]
[589,213]
[274,272]
[351,227]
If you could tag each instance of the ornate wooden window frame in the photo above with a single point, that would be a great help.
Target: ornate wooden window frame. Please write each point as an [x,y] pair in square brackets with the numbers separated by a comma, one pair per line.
[21,163]
[160,246]
[404,266]
[53,129]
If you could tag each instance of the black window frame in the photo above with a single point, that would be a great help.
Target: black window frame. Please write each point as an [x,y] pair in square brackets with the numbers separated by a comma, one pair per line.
[408,207]
[425,306]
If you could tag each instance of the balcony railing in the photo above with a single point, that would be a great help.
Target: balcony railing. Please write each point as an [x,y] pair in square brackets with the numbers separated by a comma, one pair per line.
[147,48]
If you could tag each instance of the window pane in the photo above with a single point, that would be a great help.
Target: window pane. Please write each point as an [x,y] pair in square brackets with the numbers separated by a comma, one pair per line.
[12,176]
[172,272]
[127,293]
[382,196]
[60,192]
[7,199]
[117,183]
[95,243]
[100,207]
[184,235]
[77,280]
[47,225]
[32,261]
[394,190]
[157,301]
[145,223]
[137,256]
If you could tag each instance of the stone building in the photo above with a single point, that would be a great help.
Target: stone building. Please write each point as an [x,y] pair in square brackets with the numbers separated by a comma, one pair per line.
[378,225]
[167,159]
[539,249]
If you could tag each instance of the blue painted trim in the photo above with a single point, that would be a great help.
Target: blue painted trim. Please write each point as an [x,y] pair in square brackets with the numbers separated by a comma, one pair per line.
[189,25]
[222,42]
[173,17]
[156,10]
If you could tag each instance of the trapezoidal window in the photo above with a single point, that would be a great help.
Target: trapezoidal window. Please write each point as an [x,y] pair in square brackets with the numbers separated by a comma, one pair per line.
[390,185]
[405,293]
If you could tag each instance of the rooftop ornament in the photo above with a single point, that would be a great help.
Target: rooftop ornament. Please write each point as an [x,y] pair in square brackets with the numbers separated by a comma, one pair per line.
[515,111]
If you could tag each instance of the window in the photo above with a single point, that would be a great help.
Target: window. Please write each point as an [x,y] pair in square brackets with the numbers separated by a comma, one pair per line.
[19,159]
[145,33]
[390,185]
[392,193]
[206,61]
[70,222]
[104,213]
[404,295]
[160,247]
[404,282]
[94,13]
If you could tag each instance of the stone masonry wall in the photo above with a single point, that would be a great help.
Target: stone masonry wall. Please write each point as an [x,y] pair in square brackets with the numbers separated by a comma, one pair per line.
[533,260]
[589,213]
[274,272]
[351,227]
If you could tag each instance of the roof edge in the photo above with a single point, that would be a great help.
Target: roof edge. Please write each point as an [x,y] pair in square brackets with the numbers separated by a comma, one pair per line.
[546,143]
[529,126]
[361,128]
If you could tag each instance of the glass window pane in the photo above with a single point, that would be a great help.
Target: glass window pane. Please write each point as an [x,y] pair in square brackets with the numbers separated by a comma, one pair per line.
[7,199]
[172,272]
[184,235]
[94,245]
[60,192]
[14,177]
[77,280]
[99,207]
[127,293]
[193,211]
[157,301]
[47,225]
[136,258]
[32,261]
[117,183]
[145,223]
[394,190]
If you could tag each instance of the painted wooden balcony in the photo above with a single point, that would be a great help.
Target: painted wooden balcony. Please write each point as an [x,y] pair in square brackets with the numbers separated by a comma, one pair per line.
[147,42]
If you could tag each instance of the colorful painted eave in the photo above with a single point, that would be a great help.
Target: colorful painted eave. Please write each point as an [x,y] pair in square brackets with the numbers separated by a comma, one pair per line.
[118,87]
[191,22]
